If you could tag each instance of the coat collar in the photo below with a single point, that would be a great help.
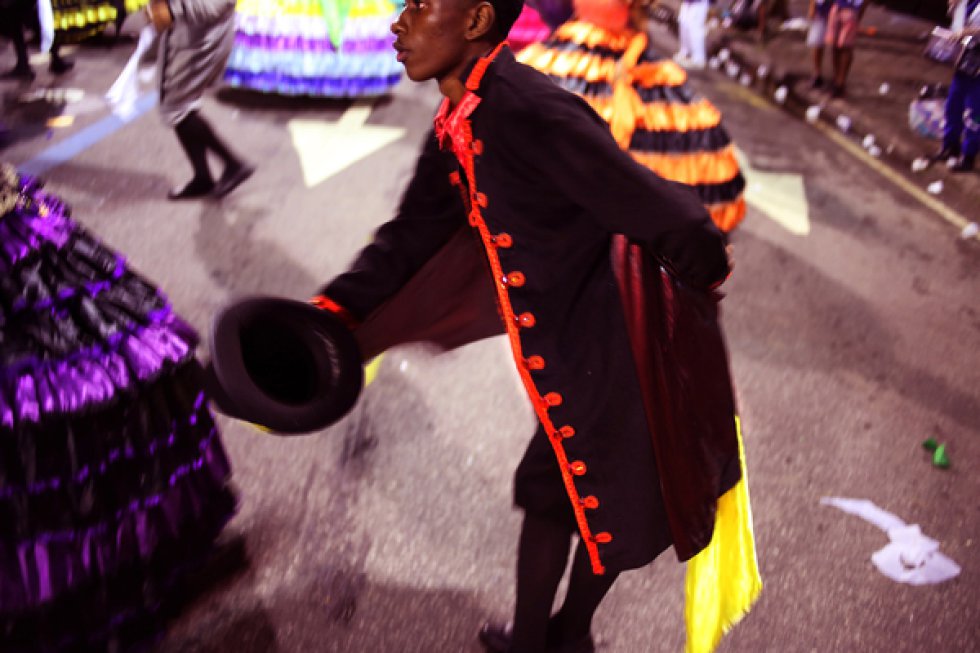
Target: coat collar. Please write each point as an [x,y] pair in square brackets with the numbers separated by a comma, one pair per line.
[449,123]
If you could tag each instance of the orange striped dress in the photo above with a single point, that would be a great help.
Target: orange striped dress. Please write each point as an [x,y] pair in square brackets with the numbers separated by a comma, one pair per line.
[650,109]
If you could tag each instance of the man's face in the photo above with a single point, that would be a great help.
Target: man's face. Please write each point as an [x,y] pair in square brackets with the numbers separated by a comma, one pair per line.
[430,38]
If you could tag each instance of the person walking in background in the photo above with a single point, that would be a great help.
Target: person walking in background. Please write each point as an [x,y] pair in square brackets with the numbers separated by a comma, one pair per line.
[196,37]
[816,33]
[15,15]
[692,31]
[961,131]
[843,22]
[770,9]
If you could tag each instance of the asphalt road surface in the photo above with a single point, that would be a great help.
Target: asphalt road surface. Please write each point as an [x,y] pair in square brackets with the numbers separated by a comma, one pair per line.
[853,338]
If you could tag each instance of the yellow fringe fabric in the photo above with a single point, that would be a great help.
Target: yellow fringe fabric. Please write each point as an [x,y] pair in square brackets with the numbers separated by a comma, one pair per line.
[96,17]
[371,369]
[311,8]
[693,168]
[274,8]
[723,581]
[132,6]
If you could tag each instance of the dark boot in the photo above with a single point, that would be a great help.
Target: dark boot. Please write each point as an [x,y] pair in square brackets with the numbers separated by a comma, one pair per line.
[19,72]
[201,184]
[498,638]
[232,178]
[15,32]
[236,171]
[193,189]
[58,64]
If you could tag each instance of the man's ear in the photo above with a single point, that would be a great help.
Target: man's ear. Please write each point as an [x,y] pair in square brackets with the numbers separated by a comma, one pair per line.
[482,20]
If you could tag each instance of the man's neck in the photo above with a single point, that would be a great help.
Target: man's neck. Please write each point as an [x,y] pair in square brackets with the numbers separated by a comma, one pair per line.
[453,88]
[453,85]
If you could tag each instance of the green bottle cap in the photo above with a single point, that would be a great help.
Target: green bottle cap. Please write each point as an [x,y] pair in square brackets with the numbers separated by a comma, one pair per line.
[930,444]
[939,458]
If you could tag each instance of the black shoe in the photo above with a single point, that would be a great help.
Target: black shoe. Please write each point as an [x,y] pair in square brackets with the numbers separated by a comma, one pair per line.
[59,66]
[816,82]
[19,72]
[963,163]
[232,179]
[497,638]
[195,188]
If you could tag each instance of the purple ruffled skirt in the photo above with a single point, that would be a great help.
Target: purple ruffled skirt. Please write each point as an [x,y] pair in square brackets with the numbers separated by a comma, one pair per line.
[113,479]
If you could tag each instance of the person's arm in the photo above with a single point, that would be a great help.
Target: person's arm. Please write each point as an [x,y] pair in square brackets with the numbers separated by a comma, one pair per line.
[430,212]
[568,145]
[160,15]
[812,10]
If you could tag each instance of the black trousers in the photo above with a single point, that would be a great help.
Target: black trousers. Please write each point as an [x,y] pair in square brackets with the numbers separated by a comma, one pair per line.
[15,15]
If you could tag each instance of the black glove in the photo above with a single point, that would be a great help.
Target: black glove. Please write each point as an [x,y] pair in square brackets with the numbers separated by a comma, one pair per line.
[700,258]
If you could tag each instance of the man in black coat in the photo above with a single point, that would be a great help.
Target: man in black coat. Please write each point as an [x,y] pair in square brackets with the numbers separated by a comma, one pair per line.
[527,177]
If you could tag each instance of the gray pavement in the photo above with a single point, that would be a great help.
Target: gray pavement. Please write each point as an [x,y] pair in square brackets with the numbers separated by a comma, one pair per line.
[393,530]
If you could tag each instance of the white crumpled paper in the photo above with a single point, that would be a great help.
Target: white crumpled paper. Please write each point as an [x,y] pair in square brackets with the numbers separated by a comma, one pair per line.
[124,92]
[910,557]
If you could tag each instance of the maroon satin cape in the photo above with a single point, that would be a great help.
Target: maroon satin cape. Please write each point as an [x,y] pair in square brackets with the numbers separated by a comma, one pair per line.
[677,343]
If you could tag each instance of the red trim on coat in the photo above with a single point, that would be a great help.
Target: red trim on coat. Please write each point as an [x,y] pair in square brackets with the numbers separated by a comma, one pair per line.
[459,130]
[324,303]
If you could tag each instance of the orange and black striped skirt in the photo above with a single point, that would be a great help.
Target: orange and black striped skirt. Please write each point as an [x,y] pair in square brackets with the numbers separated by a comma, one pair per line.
[654,115]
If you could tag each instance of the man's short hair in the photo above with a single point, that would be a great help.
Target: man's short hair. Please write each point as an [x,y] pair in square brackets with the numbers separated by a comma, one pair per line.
[507,12]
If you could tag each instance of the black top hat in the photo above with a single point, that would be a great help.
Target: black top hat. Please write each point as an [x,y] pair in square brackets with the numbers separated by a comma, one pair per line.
[283,364]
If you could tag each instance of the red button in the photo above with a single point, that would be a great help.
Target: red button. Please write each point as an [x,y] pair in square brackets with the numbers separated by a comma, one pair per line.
[577,467]
[515,279]
[503,240]
[552,399]
[566,431]
[478,147]
[534,363]
[590,502]
[481,199]
[603,538]
[526,320]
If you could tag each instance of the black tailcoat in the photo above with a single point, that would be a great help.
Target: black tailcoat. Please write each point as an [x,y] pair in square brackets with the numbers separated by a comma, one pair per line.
[521,205]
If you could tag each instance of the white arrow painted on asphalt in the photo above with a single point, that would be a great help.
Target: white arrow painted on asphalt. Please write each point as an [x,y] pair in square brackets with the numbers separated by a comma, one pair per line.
[779,195]
[326,148]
